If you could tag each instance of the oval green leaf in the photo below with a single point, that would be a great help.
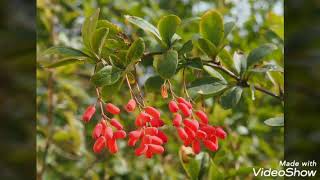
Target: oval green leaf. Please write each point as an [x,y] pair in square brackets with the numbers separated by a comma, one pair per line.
[106,76]
[211,27]
[167,27]
[153,84]
[98,40]
[231,97]
[276,121]
[88,28]
[207,47]
[166,64]
[135,51]
[259,53]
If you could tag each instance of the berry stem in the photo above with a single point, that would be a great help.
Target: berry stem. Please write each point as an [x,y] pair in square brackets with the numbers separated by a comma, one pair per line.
[99,100]
[132,94]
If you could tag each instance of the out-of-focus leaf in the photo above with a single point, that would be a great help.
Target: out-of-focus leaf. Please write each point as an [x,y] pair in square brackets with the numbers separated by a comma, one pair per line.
[88,28]
[135,51]
[106,76]
[64,52]
[98,40]
[187,47]
[214,73]
[276,121]
[267,68]
[239,62]
[113,29]
[189,164]
[231,97]
[194,63]
[167,27]
[110,90]
[153,84]
[228,27]
[206,86]
[207,47]
[240,171]
[63,63]
[211,27]
[166,64]
[214,172]
[259,53]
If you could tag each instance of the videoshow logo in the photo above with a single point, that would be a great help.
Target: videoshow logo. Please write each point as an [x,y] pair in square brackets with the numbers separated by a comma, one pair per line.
[290,170]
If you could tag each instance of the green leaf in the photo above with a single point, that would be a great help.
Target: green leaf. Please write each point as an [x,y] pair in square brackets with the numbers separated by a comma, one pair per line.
[98,40]
[64,52]
[63,63]
[113,28]
[187,47]
[194,63]
[268,68]
[206,86]
[153,84]
[108,91]
[240,171]
[190,165]
[166,64]
[207,47]
[167,27]
[211,27]
[228,27]
[276,121]
[239,62]
[259,53]
[106,76]
[145,25]
[214,73]
[88,28]
[135,51]
[231,97]
[214,172]
[226,59]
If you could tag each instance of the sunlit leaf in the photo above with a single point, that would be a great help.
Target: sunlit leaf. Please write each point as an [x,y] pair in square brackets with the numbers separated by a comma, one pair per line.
[259,53]
[276,121]
[166,64]
[167,27]
[106,76]
[211,27]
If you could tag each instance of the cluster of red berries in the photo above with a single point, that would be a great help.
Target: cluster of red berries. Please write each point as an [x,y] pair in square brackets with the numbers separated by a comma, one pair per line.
[152,139]
[190,130]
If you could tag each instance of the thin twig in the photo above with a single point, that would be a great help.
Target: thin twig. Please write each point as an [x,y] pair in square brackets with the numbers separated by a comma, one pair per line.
[99,100]
[132,94]
[268,92]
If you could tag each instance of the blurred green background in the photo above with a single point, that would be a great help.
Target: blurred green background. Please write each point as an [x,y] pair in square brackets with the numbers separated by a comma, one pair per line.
[64,93]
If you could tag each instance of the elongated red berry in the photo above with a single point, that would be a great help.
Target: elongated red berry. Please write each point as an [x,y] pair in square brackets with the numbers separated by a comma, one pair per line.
[182,100]
[210,145]
[152,131]
[177,120]
[162,136]
[108,133]
[112,145]
[141,150]
[113,109]
[182,133]
[116,124]
[202,116]
[87,115]
[196,147]
[208,129]
[130,106]
[135,134]
[120,134]
[221,133]
[142,119]
[184,109]
[201,134]
[187,142]
[156,140]
[191,134]
[149,153]
[132,141]
[156,149]
[194,125]
[164,91]
[152,112]
[173,107]
[99,144]
[97,131]
[156,122]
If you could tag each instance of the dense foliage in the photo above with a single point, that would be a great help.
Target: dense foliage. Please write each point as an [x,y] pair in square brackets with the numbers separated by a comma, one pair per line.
[201,51]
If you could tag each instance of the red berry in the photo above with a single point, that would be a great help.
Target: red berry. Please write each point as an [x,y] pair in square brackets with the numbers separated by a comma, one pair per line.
[196,147]
[141,150]
[132,141]
[120,134]
[156,149]
[146,139]
[87,115]
[116,124]
[156,140]
[131,105]
[182,133]
[97,131]
[111,108]
[177,120]
[173,107]
[99,144]
[108,133]
[202,116]
[142,119]
[148,153]
[184,109]
[162,136]
[221,133]
[152,112]
[112,145]
[152,131]
[182,100]
[210,145]
[164,91]
[135,134]
[194,125]
[201,134]
[208,129]
[191,134]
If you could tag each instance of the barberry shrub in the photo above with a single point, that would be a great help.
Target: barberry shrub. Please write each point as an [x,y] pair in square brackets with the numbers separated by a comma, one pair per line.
[115,56]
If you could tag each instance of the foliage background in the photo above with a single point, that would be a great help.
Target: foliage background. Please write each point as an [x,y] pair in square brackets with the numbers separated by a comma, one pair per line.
[64,93]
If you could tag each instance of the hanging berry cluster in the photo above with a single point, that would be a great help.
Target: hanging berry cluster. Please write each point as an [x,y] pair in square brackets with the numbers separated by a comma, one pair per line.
[190,130]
